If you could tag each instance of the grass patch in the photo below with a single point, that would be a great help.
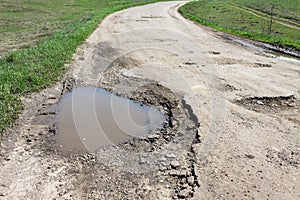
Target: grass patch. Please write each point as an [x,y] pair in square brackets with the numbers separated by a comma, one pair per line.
[289,9]
[53,30]
[227,16]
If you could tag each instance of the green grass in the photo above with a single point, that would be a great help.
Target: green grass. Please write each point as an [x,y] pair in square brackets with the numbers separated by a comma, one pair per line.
[228,16]
[50,32]
[289,9]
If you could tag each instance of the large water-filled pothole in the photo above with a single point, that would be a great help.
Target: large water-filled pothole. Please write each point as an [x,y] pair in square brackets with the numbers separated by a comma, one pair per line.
[90,118]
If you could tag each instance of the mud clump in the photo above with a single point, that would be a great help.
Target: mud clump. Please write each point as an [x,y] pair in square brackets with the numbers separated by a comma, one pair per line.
[270,104]
[284,157]
[262,65]
[157,95]
[68,85]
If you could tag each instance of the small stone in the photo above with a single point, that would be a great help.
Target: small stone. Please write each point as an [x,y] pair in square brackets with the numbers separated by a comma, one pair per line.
[174,172]
[184,186]
[147,188]
[189,63]
[163,164]
[249,156]
[162,159]
[191,180]
[155,136]
[182,173]
[143,161]
[175,164]
[50,101]
[170,155]
[184,193]
[174,122]
[260,102]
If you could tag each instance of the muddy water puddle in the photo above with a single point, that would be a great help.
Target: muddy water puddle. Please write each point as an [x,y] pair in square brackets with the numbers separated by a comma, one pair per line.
[278,55]
[286,57]
[90,118]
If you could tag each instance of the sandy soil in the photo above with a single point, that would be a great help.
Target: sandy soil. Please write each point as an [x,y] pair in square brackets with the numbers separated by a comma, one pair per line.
[233,133]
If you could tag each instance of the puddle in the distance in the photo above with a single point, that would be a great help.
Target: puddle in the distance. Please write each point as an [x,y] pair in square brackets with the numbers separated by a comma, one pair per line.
[277,55]
[282,56]
[90,118]
[246,44]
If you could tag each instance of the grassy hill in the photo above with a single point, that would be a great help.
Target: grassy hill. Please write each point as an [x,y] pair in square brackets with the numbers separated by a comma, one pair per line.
[251,19]
[289,9]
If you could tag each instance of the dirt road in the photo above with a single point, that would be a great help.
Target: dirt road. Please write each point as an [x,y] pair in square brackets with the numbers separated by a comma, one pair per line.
[233,129]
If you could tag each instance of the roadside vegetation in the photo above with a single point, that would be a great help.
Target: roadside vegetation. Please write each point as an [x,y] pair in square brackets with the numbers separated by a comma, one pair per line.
[38,37]
[272,21]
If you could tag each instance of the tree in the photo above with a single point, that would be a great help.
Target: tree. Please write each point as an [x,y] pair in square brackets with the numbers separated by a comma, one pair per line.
[271,19]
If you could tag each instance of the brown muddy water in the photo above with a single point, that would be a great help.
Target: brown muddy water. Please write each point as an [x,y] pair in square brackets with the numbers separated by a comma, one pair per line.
[90,118]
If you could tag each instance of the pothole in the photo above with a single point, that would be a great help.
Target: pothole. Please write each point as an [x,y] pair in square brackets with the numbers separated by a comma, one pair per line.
[160,159]
[90,118]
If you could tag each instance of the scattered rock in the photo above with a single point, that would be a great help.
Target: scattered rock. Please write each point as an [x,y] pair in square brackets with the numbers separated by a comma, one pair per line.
[191,180]
[143,160]
[249,156]
[182,173]
[68,85]
[267,104]
[175,164]
[262,65]
[189,63]
[260,103]
[170,155]
[147,188]
[153,136]
[174,122]
[174,172]
[184,193]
